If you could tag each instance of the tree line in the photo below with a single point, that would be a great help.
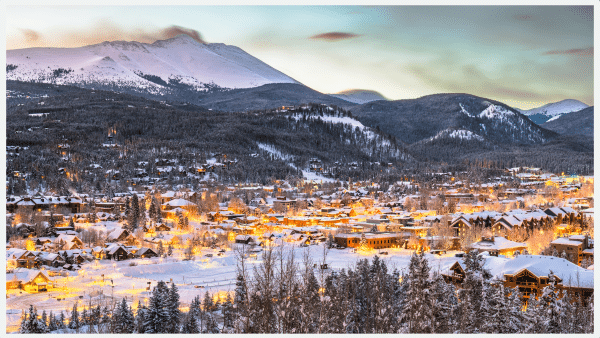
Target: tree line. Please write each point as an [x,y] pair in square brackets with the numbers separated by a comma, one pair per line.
[283,296]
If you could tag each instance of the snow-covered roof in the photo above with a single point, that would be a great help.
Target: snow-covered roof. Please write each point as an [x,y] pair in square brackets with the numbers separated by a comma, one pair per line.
[566,241]
[541,266]
[179,202]
[25,275]
[499,243]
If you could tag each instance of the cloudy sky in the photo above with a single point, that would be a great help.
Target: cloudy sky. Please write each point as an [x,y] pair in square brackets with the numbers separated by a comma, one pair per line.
[525,56]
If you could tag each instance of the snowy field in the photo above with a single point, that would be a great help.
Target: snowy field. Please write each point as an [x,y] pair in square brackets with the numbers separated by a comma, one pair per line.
[215,274]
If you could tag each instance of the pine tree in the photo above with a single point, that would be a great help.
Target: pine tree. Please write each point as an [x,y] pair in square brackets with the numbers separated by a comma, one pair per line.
[534,316]
[157,213]
[444,303]
[30,322]
[157,314]
[161,249]
[52,322]
[551,307]
[173,310]
[134,213]
[240,301]
[44,322]
[23,327]
[152,209]
[74,320]
[127,207]
[227,310]
[207,307]
[514,308]
[123,320]
[84,318]
[61,321]
[190,324]
[418,308]
[140,318]
[170,250]
[71,223]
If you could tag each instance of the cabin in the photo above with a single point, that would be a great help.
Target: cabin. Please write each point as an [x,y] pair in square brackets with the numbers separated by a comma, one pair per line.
[32,281]
[145,253]
[98,252]
[118,235]
[498,246]
[456,274]
[117,253]
[68,242]
[20,258]
[532,273]
[244,239]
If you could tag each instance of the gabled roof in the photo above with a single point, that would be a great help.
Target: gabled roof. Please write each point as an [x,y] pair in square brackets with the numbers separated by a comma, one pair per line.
[570,274]
[499,243]
[26,275]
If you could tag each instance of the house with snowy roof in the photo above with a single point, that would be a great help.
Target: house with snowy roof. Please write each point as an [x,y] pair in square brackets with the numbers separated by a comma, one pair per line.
[531,273]
[17,258]
[178,203]
[117,235]
[50,259]
[29,280]
[576,247]
[497,245]
[117,252]
[68,242]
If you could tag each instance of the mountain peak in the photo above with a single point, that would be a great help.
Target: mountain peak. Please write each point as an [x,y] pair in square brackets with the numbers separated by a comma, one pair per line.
[359,96]
[554,110]
[181,61]
[178,39]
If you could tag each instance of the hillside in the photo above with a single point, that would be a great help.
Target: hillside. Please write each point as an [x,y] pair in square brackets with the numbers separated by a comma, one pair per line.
[261,145]
[267,97]
[552,111]
[420,119]
[576,123]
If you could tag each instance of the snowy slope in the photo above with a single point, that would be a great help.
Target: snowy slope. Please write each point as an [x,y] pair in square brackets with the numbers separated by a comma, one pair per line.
[359,96]
[151,66]
[462,134]
[554,110]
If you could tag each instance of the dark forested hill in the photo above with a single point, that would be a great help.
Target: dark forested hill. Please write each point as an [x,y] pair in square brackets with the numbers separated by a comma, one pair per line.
[262,144]
[420,119]
[266,97]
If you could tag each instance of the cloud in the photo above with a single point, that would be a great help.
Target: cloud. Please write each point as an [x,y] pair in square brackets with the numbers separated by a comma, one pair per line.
[576,51]
[469,79]
[31,35]
[173,31]
[334,36]
[104,30]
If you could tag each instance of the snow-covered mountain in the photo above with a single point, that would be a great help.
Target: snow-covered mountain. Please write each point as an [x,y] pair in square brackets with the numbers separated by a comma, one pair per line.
[553,111]
[359,96]
[176,62]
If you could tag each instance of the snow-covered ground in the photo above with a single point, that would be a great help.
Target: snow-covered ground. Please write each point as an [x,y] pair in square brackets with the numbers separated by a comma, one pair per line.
[217,273]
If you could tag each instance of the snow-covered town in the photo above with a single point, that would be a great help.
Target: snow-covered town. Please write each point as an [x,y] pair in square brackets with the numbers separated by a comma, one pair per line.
[318,255]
